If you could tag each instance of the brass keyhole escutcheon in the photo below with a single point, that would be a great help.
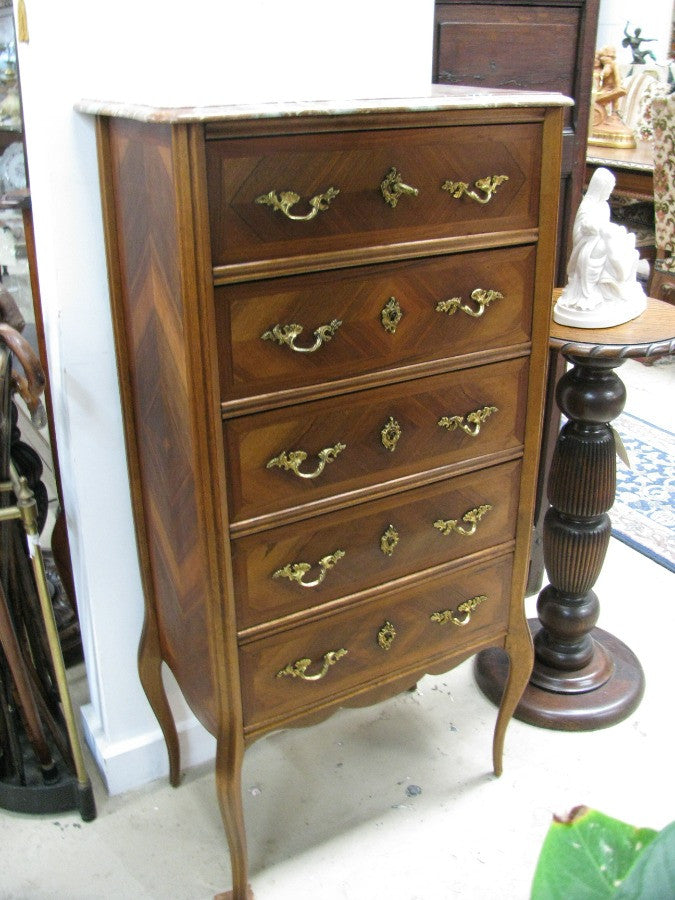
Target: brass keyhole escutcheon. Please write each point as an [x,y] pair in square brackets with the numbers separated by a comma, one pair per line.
[391,315]
[391,434]
[389,541]
[386,635]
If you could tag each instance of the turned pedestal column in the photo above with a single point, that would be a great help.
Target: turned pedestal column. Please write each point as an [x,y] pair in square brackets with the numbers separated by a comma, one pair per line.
[583,677]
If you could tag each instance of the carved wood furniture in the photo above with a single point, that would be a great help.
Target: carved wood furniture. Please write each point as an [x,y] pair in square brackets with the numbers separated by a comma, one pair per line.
[583,678]
[331,328]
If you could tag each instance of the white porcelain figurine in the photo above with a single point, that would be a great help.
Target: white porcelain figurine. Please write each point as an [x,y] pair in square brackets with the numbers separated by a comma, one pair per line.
[602,287]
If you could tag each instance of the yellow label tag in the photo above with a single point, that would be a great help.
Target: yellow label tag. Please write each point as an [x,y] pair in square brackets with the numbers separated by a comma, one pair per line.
[22,22]
[620,449]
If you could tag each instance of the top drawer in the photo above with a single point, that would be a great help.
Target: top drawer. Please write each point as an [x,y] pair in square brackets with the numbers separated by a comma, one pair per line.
[341,203]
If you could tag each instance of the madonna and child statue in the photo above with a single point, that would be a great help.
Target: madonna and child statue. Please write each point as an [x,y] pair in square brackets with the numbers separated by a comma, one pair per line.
[602,288]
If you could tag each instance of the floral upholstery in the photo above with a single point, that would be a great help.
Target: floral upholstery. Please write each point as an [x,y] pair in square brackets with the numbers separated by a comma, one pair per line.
[663,122]
[643,85]
[644,127]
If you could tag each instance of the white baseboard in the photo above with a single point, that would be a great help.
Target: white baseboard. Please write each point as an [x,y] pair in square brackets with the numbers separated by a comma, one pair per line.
[128,764]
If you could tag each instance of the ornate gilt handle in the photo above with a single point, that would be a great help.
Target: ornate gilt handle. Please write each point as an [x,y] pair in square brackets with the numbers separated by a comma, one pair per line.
[447,615]
[287,199]
[393,188]
[481,297]
[487,185]
[297,571]
[470,423]
[291,462]
[471,518]
[298,669]
[286,335]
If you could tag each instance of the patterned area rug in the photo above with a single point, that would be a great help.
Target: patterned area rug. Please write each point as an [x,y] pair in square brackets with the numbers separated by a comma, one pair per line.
[643,515]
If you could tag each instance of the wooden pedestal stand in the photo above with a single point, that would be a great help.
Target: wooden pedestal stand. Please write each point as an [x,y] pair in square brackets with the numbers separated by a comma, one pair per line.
[583,677]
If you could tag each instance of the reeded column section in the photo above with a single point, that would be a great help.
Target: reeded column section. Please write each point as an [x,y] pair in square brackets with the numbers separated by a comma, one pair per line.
[581,488]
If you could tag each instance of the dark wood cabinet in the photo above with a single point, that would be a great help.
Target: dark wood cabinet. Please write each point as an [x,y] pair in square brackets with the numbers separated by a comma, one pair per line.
[545,45]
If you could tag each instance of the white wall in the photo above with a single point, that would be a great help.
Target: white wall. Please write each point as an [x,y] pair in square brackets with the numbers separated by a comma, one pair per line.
[172,53]
[653,17]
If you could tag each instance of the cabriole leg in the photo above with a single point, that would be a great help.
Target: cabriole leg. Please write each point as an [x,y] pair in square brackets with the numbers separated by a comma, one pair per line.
[229,758]
[150,672]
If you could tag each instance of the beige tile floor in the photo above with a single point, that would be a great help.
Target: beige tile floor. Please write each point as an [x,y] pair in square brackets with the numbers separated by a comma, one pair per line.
[328,811]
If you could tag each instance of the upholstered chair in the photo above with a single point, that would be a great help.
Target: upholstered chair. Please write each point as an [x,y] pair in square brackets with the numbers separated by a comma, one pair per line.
[662,283]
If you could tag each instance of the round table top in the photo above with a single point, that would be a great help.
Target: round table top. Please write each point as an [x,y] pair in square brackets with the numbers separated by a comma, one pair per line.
[651,334]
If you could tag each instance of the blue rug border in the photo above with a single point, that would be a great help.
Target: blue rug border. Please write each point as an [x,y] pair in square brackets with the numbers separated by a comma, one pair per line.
[642,550]
[624,538]
[644,422]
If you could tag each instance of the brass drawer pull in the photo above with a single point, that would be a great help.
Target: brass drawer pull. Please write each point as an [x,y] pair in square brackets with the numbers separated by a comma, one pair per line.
[447,615]
[470,423]
[393,188]
[286,335]
[297,571]
[287,199]
[471,518]
[291,462]
[481,297]
[299,668]
[487,185]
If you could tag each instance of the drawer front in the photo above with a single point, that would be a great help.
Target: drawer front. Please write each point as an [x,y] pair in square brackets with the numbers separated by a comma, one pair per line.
[281,334]
[282,459]
[337,180]
[291,568]
[402,621]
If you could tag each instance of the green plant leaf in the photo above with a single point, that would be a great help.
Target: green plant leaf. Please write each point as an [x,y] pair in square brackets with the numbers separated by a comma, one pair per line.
[586,856]
[652,877]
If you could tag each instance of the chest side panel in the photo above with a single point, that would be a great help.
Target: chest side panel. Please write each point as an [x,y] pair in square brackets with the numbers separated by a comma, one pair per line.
[148,310]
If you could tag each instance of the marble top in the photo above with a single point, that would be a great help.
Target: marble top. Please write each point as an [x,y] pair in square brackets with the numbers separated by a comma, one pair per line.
[639,158]
[439,97]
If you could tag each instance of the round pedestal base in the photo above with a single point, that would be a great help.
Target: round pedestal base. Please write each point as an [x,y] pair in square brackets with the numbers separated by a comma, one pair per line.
[611,702]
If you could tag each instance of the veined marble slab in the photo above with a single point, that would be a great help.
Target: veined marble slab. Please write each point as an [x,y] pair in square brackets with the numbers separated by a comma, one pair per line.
[440,97]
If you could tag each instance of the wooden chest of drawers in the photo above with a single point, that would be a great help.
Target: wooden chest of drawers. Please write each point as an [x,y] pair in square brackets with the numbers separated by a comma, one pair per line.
[331,330]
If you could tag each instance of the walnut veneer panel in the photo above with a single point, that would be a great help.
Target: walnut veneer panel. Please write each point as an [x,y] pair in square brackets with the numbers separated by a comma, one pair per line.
[355,163]
[358,533]
[153,372]
[250,366]
[418,640]
[356,421]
